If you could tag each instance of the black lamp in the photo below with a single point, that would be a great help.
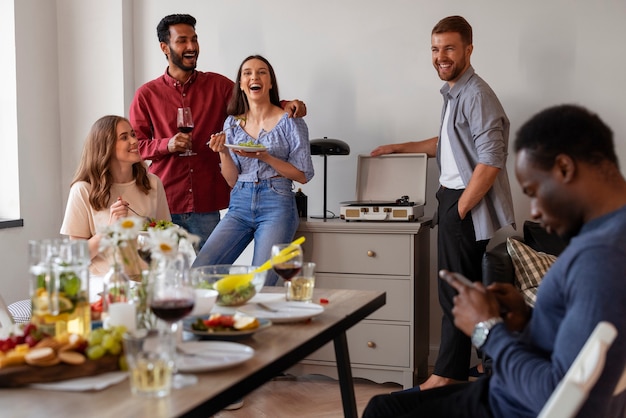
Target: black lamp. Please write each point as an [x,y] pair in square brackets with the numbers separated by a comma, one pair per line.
[327,147]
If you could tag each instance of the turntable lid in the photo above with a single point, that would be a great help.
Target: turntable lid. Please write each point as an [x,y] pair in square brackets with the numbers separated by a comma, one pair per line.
[388,177]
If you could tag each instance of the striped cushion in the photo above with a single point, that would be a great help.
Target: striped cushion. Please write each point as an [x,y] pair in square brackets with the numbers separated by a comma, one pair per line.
[530,267]
[20,311]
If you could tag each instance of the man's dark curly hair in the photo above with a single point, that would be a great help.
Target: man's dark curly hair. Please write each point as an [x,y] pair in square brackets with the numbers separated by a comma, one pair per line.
[163,28]
[566,129]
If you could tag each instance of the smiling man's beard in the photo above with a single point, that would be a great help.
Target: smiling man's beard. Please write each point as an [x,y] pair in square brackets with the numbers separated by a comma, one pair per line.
[177,60]
[459,66]
[448,77]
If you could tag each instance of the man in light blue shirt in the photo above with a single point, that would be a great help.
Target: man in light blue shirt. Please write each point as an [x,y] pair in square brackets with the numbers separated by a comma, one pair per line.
[475,196]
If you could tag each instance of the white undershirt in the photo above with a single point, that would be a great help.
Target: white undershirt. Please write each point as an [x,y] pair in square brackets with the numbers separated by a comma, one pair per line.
[450,177]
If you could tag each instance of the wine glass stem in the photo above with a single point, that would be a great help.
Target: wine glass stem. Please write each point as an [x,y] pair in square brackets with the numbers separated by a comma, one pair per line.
[287,289]
[173,342]
[179,380]
[167,334]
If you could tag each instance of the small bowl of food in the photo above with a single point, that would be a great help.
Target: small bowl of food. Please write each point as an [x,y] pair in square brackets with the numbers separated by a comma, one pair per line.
[205,300]
[235,284]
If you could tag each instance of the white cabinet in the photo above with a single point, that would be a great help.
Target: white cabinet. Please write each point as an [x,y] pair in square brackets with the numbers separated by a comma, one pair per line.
[390,345]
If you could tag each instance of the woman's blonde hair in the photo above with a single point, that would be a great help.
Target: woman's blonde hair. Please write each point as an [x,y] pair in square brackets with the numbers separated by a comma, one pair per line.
[95,162]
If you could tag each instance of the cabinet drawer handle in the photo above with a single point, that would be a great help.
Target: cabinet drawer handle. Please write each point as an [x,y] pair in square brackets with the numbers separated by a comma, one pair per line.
[371,344]
[371,253]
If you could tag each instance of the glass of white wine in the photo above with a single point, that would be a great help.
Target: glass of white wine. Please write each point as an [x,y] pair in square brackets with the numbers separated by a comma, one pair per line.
[149,363]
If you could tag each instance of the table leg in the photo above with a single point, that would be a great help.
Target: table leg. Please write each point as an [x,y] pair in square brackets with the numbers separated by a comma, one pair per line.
[344,371]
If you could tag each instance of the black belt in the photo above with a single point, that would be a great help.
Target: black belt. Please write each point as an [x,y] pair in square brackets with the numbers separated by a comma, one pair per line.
[441,186]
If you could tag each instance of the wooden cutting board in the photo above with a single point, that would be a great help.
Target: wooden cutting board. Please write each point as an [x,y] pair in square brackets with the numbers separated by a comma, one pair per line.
[15,376]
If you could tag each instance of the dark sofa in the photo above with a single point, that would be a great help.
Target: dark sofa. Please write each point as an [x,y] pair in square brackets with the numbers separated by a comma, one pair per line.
[497,265]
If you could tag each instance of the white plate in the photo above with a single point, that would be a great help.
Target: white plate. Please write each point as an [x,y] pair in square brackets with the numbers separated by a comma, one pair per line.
[204,356]
[286,311]
[268,297]
[244,148]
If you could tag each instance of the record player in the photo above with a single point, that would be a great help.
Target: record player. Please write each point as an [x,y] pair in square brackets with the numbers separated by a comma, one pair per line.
[388,188]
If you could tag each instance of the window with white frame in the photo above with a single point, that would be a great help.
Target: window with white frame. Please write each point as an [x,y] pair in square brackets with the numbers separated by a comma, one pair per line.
[9,173]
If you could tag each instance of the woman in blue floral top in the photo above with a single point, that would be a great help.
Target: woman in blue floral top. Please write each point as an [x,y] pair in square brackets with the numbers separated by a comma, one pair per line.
[276,152]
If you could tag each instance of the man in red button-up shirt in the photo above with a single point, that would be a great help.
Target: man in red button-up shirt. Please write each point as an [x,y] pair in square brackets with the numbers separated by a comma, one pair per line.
[195,188]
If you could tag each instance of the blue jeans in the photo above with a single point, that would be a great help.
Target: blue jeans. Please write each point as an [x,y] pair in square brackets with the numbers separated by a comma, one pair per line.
[200,224]
[264,212]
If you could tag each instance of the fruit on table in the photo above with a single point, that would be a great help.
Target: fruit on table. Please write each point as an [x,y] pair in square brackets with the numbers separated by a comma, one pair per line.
[105,341]
[25,334]
[96,310]
[15,356]
[245,322]
[218,322]
[29,345]
[41,304]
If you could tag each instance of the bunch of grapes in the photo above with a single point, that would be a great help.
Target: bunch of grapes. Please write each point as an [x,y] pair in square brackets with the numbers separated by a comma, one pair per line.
[105,341]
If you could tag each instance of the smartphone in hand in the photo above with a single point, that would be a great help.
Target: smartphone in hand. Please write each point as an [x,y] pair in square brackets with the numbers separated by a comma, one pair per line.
[450,277]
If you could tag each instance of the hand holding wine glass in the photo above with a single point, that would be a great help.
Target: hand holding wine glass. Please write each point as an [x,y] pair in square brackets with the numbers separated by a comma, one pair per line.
[287,262]
[184,123]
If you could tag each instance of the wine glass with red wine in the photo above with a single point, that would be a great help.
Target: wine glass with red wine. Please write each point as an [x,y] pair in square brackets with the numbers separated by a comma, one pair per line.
[184,123]
[171,297]
[286,262]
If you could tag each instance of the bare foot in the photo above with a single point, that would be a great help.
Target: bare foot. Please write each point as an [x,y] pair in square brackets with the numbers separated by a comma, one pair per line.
[435,381]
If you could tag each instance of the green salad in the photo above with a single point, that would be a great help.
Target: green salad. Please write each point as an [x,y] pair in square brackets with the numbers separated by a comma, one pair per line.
[251,144]
[157,223]
[235,297]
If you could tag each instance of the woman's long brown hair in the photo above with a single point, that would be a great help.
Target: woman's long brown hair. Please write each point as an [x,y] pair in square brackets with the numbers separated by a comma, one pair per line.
[95,162]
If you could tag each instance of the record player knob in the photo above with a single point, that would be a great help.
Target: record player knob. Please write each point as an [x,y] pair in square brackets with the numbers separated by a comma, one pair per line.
[403,200]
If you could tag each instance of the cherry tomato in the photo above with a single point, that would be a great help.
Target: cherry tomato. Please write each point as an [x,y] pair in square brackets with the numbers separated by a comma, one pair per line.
[97,306]
[225,321]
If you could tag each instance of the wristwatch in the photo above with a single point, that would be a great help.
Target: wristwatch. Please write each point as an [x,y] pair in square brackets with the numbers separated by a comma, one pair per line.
[481,331]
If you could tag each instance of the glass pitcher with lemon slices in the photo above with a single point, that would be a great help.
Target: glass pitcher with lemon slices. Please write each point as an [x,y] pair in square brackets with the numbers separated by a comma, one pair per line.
[59,270]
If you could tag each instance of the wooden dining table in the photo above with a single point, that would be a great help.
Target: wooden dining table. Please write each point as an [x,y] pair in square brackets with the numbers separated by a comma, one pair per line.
[277,348]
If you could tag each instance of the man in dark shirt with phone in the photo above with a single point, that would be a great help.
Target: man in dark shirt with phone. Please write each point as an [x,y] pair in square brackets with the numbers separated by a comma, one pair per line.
[566,164]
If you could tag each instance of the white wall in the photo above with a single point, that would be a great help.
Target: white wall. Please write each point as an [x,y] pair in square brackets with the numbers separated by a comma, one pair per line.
[362,66]
[39,161]
[70,70]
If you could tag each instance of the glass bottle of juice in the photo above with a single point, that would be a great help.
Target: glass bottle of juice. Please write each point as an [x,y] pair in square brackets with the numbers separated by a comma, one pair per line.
[59,272]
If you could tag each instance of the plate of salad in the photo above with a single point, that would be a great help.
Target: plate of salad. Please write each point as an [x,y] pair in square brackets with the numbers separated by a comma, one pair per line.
[246,146]
[224,327]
